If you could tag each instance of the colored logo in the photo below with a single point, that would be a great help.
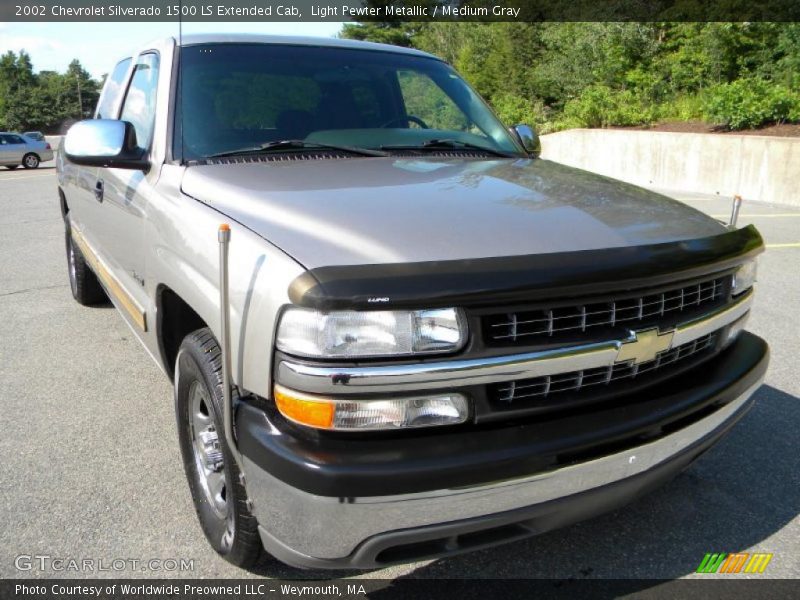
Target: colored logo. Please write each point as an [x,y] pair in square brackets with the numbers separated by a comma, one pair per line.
[736,562]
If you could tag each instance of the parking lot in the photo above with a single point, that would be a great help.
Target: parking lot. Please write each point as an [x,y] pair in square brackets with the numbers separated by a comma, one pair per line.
[91,466]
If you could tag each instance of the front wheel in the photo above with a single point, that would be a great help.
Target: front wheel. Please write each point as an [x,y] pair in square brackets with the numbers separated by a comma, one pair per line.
[30,161]
[83,283]
[220,499]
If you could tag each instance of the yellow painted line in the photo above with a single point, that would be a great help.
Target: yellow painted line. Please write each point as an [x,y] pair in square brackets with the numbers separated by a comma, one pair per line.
[758,216]
[112,285]
[26,177]
[791,245]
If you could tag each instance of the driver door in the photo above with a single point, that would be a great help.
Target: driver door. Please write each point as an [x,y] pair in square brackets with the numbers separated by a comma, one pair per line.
[125,193]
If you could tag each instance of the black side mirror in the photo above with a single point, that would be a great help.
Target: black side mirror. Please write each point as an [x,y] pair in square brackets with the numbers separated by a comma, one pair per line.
[104,143]
[528,138]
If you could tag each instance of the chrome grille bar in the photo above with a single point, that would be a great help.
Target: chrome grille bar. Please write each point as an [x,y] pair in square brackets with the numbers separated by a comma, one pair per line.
[337,380]
[550,322]
[544,387]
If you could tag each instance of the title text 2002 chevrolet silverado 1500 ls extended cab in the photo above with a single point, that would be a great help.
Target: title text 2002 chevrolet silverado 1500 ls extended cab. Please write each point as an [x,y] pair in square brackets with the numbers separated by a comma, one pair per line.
[394,332]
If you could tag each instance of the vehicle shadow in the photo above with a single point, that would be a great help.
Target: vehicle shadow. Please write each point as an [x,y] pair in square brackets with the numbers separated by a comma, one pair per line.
[734,497]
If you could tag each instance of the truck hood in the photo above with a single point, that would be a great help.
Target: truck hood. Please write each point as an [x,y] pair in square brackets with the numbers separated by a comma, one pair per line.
[399,210]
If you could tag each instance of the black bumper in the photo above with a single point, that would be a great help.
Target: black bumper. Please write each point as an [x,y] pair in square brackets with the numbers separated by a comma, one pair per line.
[346,466]
[467,535]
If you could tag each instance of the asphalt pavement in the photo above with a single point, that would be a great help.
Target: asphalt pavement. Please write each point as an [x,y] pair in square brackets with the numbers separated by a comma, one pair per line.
[91,467]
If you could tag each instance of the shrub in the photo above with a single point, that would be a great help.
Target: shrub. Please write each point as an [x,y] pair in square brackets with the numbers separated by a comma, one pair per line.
[601,106]
[515,110]
[688,107]
[750,103]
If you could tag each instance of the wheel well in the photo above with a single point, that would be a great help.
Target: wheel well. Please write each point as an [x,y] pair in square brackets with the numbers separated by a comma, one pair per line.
[62,200]
[175,320]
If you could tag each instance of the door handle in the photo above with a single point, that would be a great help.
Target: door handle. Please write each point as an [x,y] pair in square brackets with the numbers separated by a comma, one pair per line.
[98,190]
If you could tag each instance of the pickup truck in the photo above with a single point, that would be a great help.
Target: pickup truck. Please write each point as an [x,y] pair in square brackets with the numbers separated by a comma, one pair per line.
[394,331]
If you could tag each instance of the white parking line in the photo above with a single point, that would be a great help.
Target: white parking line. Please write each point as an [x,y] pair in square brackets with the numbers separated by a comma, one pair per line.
[758,216]
[789,245]
[26,176]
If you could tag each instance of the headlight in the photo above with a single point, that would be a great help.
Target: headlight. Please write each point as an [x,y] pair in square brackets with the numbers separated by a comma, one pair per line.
[744,278]
[389,413]
[360,334]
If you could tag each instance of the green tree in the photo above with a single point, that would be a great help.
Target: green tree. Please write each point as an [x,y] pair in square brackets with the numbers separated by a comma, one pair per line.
[606,74]
[43,100]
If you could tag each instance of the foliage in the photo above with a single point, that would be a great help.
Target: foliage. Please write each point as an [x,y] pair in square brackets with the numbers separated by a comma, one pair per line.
[557,75]
[601,106]
[45,100]
[750,103]
[514,109]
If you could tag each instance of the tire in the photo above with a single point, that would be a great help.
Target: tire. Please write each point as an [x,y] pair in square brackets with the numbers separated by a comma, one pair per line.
[11,167]
[31,161]
[220,499]
[83,283]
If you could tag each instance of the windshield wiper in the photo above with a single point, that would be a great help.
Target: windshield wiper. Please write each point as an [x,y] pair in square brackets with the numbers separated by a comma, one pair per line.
[447,143]
[296,145]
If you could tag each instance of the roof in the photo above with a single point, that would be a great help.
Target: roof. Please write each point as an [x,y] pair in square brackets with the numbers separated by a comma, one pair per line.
[247,38]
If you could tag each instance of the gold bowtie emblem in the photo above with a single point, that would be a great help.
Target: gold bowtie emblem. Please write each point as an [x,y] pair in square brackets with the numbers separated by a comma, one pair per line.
[645,346]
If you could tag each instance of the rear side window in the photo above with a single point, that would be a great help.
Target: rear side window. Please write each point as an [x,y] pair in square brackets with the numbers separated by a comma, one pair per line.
[112,90]
[140,102]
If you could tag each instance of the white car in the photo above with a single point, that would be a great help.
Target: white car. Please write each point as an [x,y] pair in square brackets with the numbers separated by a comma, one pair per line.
[16,150]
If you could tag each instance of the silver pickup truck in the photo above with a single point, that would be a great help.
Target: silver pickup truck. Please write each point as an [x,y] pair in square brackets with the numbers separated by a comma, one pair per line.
[394,331]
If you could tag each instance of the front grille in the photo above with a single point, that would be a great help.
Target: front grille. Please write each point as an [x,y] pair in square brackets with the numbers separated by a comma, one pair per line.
[590,319]
[579,381]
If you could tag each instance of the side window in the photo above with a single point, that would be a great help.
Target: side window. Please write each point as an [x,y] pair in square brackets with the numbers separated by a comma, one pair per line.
[15,139]
[139,106]
[112,90]
[4,140]
[425,99]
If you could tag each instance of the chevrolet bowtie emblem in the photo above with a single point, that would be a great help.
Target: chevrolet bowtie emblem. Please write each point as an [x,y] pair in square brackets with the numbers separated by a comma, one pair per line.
[645,346]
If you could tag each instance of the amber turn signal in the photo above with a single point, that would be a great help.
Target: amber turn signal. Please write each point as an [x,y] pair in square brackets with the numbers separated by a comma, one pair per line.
[343,414]
[304,410]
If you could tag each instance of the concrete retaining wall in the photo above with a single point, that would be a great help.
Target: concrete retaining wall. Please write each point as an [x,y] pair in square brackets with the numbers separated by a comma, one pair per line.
[756,167]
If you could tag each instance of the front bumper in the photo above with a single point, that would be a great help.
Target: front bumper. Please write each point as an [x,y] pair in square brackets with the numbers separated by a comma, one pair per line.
[356,503]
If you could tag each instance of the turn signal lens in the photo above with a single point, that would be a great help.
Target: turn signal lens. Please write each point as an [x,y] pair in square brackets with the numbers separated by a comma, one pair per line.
[745,277]
[390,413]
[302,410]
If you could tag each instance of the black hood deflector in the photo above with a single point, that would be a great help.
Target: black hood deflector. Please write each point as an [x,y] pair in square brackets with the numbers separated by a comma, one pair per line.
[508,280]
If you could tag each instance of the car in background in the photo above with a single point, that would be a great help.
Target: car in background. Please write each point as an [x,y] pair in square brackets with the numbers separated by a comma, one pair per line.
[35,135]
[16,150]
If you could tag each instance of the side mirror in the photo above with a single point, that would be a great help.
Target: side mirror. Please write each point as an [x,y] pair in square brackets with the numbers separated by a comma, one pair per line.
[528,138]
[104,143]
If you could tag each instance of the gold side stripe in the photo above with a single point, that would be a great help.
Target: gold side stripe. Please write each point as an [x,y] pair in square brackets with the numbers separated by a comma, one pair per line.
[136,313]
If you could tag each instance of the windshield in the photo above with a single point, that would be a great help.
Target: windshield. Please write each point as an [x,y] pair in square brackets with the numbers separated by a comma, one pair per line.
[242,96]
